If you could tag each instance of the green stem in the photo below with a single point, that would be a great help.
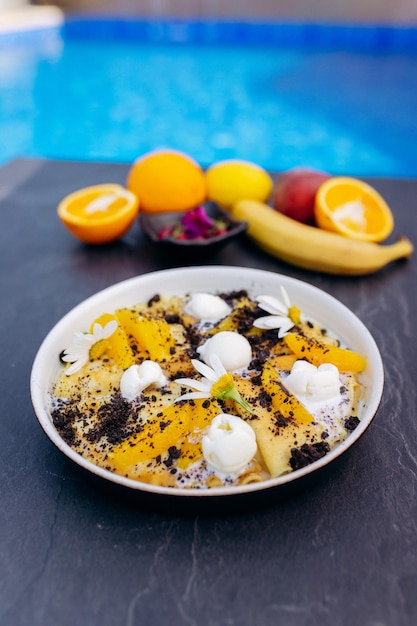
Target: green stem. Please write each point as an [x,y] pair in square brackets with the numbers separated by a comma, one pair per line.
[233,394]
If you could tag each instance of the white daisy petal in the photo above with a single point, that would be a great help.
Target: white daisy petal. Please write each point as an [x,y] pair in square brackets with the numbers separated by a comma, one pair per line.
[285,297]
[109,329]
[194,384]
[272,305]
[97,331]
[205,370]
[79,337]
[288,324]
[194,395]
[74,367]
[270,321]
[217,366]
[72,356]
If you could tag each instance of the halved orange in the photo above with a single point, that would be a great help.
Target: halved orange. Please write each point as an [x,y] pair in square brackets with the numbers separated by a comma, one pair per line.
[167,180]
[352,208]
[99,214]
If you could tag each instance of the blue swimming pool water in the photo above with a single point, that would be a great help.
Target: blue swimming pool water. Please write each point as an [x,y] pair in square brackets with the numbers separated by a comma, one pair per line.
[81,92]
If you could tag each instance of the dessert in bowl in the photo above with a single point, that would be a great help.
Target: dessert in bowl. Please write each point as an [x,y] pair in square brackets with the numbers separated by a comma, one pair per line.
[207,381]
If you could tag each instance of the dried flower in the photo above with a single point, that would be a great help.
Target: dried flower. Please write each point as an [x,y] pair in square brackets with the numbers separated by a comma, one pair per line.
[195,224]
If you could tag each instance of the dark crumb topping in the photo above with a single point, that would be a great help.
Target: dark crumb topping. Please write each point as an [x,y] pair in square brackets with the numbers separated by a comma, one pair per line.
[244,318]
[156,298]
[63,417]
[261,357]
[234,295]
[308,453]
[351,422]
[280,420]
[172,318]
[113,419]
[173,454]
[265,399]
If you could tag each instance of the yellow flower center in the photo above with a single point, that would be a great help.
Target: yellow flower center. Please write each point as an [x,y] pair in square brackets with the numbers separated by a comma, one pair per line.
[222,386]
[224,389]
[97,349]
[294,314]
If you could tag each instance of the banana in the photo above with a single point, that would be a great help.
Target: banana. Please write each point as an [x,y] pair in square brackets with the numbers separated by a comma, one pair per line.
[314,248]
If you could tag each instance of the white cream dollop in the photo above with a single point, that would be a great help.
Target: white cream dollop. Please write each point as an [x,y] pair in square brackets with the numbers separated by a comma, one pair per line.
[314,384]
[233,350]
[207,307]
[137,377]
[229,444]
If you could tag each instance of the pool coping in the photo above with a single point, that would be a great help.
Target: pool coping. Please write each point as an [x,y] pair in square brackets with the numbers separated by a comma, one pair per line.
[186,31]
[29,18]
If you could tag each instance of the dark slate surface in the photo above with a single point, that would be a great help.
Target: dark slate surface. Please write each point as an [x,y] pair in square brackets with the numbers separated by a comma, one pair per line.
[342,552]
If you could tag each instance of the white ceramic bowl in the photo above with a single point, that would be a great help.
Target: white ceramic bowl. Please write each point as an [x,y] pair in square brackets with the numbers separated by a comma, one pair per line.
[314,304]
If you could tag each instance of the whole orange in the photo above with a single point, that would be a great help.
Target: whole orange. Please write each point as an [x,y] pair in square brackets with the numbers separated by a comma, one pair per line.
[167,180]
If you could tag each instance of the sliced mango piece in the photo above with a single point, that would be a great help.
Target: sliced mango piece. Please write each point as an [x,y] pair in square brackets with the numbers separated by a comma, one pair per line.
[283,362]
[116,346]
[276,434]
[317,353]
[283,401]
[168,429]
[191,452]
[150,335]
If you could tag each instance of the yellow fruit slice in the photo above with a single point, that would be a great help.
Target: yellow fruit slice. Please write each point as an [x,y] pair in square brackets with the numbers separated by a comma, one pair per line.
[353,208]
[286,404]
[151,336]
[233,180]
[317,353]
[176,425]
[166,180]
[99,214]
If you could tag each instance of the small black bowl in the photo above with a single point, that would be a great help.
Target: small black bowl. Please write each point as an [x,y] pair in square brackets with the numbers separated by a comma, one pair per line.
[152,223]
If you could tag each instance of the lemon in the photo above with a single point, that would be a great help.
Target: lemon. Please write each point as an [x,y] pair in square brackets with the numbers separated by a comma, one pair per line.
[233,180]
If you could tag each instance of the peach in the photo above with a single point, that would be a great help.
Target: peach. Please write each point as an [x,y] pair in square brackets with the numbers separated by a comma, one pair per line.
[295,191]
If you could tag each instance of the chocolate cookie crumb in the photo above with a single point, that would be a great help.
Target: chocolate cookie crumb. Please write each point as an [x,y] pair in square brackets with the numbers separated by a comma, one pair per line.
[351,422]
[156,298]
[306,454]
[112,421]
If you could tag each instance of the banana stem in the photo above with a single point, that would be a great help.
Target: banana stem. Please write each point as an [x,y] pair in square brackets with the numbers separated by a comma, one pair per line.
[401,248]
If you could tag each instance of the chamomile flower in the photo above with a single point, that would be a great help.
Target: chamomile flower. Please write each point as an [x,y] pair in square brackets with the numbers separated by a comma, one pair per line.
[78,353]
[216,383]
[283,315]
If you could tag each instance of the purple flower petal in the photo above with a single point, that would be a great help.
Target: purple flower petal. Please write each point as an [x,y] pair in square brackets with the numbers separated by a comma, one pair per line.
[196,223]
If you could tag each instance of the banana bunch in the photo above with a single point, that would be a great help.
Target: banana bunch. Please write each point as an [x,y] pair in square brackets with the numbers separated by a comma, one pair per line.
[314,248]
